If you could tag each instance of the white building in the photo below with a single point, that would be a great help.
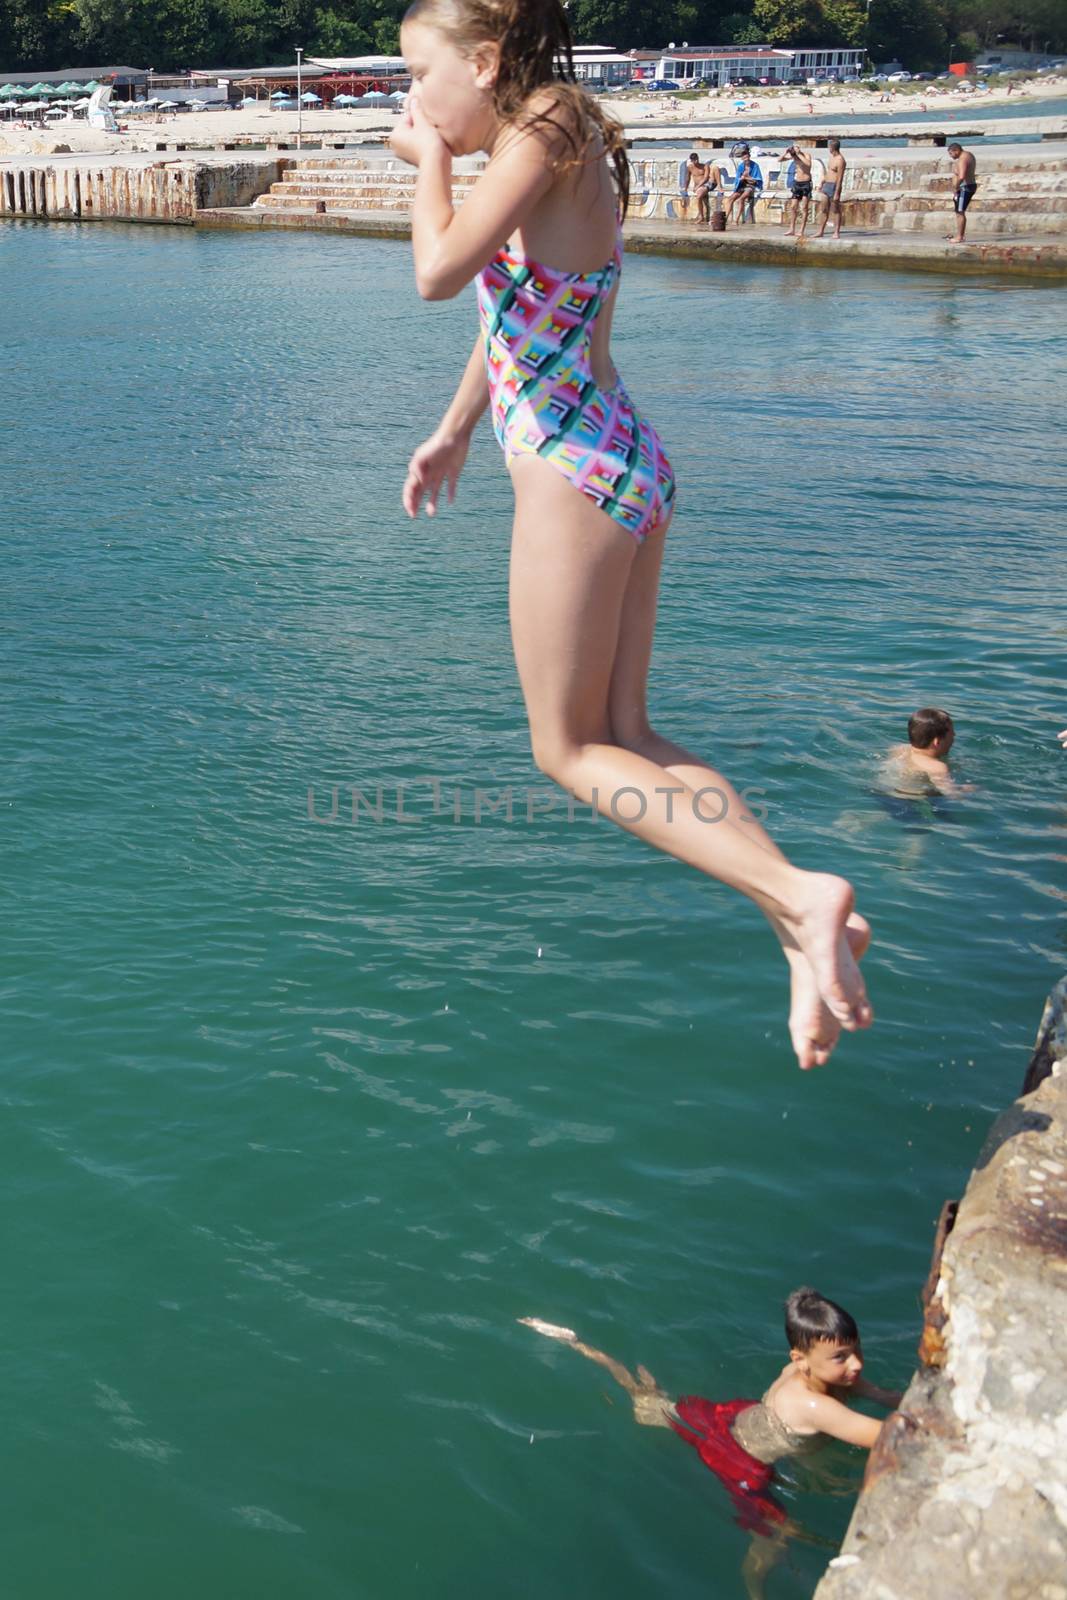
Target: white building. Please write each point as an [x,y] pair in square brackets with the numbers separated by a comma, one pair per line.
[599,64]
[719,64]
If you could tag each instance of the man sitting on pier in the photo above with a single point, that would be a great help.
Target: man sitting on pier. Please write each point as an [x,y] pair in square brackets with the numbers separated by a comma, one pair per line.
[704,177]
[747,186]
[964,186]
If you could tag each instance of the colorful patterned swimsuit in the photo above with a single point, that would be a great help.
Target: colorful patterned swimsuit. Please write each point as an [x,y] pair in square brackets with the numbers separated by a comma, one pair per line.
[538,324]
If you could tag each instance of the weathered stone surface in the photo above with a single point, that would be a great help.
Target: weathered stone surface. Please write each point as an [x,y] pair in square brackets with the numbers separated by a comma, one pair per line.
[965,1495]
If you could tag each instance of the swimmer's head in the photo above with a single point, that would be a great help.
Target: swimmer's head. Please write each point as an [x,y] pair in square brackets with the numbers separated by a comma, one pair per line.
[477,64]
[824,1341]
[931,730]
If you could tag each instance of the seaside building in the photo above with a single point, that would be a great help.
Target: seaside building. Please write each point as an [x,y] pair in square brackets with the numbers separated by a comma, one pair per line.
[123,80]
[354,74]
[601,66]
[719,64]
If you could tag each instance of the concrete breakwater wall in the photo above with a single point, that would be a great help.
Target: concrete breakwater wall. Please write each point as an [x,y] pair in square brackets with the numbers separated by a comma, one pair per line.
[89,189]
[965,1496]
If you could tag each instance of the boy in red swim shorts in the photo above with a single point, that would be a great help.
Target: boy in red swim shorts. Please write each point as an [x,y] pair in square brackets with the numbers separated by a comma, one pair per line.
[740,1440]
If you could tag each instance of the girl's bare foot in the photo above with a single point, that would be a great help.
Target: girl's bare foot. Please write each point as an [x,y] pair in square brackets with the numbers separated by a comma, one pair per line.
[550,1329]
[817,923]
[812,1028]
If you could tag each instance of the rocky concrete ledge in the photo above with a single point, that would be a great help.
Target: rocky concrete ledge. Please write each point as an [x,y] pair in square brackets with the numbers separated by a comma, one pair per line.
[965,1496]
[1039,259]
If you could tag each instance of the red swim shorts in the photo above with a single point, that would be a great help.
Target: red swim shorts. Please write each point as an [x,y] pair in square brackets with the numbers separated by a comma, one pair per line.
[705,1424]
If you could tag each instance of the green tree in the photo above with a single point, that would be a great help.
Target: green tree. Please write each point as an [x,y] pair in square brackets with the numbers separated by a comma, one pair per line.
[845,23]
[911,31]
[790,21]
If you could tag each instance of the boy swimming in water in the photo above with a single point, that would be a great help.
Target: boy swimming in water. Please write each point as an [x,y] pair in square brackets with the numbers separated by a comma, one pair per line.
[930,738]
[740,1440]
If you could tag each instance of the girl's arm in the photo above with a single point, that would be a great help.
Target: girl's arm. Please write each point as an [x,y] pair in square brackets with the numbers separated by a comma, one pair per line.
[451,247]
[438,461]
[470,398]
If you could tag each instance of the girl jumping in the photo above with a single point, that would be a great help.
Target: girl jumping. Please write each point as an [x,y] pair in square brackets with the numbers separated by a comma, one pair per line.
[594,490]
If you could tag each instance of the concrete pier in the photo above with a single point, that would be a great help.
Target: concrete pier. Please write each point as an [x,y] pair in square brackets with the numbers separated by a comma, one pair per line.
[896,204]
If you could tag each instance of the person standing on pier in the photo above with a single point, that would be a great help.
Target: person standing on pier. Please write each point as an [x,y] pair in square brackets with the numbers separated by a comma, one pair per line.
[801,190]
[829,199]
[964,185]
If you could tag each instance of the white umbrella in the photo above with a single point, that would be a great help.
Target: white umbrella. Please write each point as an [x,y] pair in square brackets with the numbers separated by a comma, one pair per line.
[375,97]
[168,105]
[249,100]
[398,94]
[311,99]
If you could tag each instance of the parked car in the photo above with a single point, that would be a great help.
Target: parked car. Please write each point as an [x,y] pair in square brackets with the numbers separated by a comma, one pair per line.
[922,77]
[899,77]
[851,80]
[664,83]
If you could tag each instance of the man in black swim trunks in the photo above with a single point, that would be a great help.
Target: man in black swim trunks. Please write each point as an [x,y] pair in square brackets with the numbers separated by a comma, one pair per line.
[801,190]
[964,184]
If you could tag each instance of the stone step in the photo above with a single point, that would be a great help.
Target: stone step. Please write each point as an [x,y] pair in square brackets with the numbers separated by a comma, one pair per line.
[1006,183]
[322,191]
[341,202]
[1050,205]
[980,225]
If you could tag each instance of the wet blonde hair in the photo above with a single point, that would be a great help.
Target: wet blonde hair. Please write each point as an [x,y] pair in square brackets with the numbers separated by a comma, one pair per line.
[534,38]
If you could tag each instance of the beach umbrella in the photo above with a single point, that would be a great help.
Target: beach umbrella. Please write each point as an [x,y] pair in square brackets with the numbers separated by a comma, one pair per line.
[398,94]
[90,86]
[310,99]
[7,91]
[168,105]
[279,94]
[249,100]
[374,97]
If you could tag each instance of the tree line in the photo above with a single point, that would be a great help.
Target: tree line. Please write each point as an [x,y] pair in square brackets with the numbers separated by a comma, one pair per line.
[170,35]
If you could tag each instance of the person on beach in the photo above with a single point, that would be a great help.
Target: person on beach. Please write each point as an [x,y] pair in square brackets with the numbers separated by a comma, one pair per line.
[964,185]
[540,232]
[801,191]
[830,190]
[931,735]
[741,1440]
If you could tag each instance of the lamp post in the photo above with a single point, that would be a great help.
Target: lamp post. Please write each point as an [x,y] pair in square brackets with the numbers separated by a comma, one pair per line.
[299,101]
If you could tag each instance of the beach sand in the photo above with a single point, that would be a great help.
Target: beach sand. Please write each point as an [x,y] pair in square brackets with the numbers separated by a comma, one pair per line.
[261,123]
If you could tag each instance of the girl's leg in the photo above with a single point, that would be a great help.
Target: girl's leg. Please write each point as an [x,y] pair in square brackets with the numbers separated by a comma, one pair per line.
[570,569]
[812,1027]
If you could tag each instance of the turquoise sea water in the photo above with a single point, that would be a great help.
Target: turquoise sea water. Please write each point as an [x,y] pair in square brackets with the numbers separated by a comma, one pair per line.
[300,1116]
